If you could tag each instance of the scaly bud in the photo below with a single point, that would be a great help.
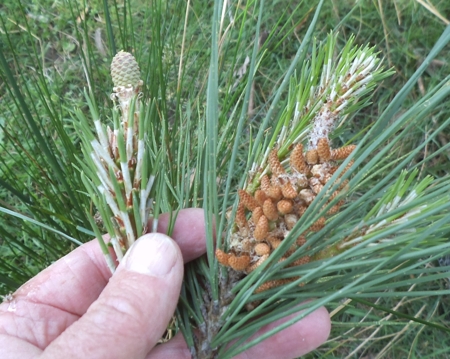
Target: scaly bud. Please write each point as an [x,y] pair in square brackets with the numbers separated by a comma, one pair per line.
[274,242]
[256,214]
[323,150]
[241,221]
[288,191]
[301,261]
[262,249]
[261,229]
[257,263]
[297,160]
[274,192]
[247,200]
[270,210]
[318,225]
[125,70]
[222,257]
[274,163]
[342,153]
[260,196]
[238,263]
[312,157]
[284,206]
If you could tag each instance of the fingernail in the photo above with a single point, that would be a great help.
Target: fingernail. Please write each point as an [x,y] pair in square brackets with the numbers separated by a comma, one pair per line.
[154,254]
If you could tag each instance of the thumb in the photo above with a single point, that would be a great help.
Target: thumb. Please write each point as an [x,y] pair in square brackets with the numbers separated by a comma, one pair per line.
[132,312]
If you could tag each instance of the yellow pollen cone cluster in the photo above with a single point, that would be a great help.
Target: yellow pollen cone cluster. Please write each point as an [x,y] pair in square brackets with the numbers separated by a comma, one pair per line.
[265,217]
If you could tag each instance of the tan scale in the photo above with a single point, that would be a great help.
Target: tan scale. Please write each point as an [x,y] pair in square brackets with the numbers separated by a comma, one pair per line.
[334,209]
[273,192]
[265,184]
[315,185]
[247,245]
[290,220]
[291,250]
[301,210]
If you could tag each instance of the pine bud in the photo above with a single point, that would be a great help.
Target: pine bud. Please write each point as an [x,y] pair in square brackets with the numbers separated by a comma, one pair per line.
[247,200]
[284,206]
[323,150]
[257,263]
[125,70]
[274,163]
[241,220]
[297,160]
[222,257]
[238,263]
[262,249]
[261,229]
[270,210]
[256,214]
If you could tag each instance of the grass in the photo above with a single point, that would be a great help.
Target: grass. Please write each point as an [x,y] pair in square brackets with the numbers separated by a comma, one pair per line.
[52,46]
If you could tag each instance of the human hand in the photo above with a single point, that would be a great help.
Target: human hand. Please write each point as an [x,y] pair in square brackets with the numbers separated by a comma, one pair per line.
[76,309]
